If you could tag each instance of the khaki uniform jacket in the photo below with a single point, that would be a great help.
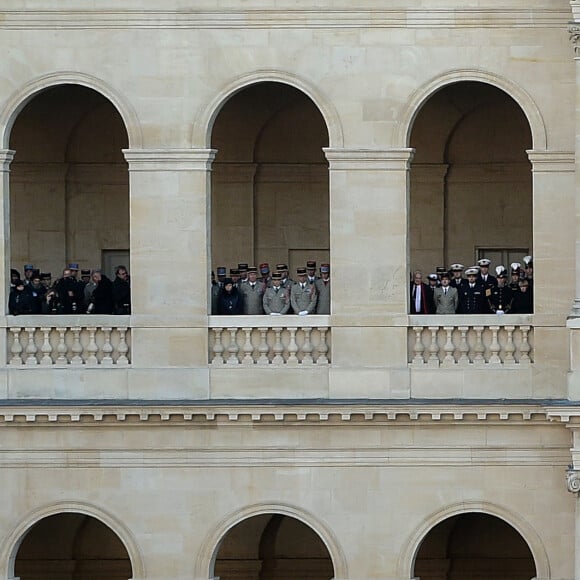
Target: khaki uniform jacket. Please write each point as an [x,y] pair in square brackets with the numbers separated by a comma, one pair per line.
[276,301]
[446,303]
[323,304]
[252,298]
[303,298]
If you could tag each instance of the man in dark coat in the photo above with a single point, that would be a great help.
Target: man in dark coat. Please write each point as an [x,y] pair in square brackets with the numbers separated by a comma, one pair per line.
[101,300]
[20,300]
[70,294]
[121,291]
[421,299]
[501,296]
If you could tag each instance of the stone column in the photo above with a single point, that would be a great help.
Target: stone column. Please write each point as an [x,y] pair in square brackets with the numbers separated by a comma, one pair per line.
[170,242]
[6,156]
[369,198]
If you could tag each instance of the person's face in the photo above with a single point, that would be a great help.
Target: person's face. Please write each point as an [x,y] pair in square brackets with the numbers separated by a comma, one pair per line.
[66,273]
[457,273]
[325,275]
[484,270]
[96,277]
[14,277]
[432,282]
[471,278]
[74,273]
[47,282]
[529,271]
[243,275]
[36,282]
[515,277]
[445,281]
[85,278]
[523,288]
[122,274]
[301,278]
[28,274]
[252,276]
[228,287]
[418,279]
[235,278]
[311,272]
[501,281]
[276,283]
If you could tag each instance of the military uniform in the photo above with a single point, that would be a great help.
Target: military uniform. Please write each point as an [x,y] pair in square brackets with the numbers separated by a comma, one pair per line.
[276,300]
[471,298]
[323,289]
[303,296]
[501,299]
[253,294]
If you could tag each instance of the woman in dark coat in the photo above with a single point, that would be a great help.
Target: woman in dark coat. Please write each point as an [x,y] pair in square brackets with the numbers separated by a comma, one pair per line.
[102,295]
[230,300]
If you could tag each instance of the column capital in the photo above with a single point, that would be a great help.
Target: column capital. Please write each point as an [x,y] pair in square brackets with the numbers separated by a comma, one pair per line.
[551,161]
[369,159]
[573,479]
[6,157]
[169,159]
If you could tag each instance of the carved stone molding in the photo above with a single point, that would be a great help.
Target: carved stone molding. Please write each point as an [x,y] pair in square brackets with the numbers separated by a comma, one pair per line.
[188,412]
[573,480]
[574,31]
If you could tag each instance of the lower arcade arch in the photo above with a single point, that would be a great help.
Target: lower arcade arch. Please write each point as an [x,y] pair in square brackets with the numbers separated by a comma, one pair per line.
[272,546]
[474,545]
[71,546]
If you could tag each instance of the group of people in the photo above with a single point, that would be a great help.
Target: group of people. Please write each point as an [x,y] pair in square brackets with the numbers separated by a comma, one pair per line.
[478,292]
[252,290]
[90,293]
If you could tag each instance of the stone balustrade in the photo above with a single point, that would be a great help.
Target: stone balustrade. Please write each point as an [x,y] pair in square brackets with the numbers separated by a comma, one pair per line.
[269,340]
[68,341]
[459,341]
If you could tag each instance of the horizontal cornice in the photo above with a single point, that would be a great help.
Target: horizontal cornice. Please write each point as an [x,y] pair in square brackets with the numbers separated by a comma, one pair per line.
[361,17]
[284,413]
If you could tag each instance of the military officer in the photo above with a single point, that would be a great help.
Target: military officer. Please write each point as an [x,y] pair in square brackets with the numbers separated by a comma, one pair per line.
[323,288]
[516,269]
[265,274]
[457,279]
[471,294]
[252,292]
[501,296]
[243,270]
[303,296]
[446,297]
[221,275]
[287,282]
[276,299]
[311,271]
[488,282]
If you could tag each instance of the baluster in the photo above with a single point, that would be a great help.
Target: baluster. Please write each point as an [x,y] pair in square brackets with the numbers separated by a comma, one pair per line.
[449,347]
[322,347]
[31,348]
[433,348]
[479,348]
[123,347]
[463,347]
[218,347]
[525,347]
[292,348]
[233,347]
[278,347]
[510,347]
[494,347]
[61,348]
[307,348]
[418,347]
[16,347]
[46,347]
[263,349]
[92,348]
[77,347]
[248,348]
[107,349]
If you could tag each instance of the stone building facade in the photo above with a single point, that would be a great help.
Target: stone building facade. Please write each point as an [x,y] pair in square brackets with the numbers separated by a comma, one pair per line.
[368,444]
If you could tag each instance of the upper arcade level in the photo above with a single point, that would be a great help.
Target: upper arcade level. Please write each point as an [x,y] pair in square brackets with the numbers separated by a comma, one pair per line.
[279,164]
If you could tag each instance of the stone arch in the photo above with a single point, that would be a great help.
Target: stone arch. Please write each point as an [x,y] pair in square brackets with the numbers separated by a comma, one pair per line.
[24,95]
[406,119]
[12,542]
[408,554]
[207,554]
[203,125]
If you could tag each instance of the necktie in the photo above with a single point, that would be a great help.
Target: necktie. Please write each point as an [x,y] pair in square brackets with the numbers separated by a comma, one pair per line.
[444,290]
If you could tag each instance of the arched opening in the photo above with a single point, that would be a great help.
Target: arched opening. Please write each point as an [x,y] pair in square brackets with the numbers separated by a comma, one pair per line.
[69,183]
[475,546]
[471,180]
[272,546]
[270,191]
[71,546]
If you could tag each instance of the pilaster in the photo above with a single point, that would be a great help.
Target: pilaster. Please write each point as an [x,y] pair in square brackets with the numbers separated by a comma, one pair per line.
[170,241]
[6,157]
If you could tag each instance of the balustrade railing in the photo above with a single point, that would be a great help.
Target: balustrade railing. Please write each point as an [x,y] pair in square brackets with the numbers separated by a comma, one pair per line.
[264,340]
[445,341]
[68,341]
